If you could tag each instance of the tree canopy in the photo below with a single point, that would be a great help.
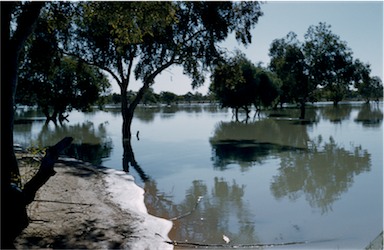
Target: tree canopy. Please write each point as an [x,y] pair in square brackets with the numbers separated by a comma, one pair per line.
[54,82]
[329,60]
[238,83]
[323,61]
[146,38]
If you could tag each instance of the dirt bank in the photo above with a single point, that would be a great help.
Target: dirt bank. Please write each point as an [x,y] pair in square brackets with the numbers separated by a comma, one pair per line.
[78,209]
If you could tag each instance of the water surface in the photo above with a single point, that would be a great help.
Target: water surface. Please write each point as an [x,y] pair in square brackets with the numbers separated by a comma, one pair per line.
[272,179]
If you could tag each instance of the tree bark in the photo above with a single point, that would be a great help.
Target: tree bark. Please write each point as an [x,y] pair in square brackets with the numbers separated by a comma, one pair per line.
[14,217]
[129,110]
[302,109]
[46,169]
[13,212]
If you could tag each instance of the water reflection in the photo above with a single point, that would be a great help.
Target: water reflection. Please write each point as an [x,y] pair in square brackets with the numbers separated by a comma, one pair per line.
[319,170]
[91,143]
[130,161]
[370,115]
[259,181]
[147,113]
[321,173]
[222,210]
[250,143]
[336,114]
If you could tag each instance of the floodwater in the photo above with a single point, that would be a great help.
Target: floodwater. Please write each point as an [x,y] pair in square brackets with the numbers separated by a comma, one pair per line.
[270,180]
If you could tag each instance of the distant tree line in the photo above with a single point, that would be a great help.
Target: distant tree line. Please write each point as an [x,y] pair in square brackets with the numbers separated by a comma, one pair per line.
[164,97]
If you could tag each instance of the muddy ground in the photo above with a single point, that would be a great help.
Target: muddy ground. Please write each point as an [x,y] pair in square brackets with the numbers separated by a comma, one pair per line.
[73,210]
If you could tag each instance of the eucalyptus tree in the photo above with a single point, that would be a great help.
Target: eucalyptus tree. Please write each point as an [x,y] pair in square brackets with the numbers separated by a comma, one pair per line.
[17,23]
[145,38]
[288,62]
[56,83]
[368,87]
[329,60]
[238,83]
[230,86]
[322,60]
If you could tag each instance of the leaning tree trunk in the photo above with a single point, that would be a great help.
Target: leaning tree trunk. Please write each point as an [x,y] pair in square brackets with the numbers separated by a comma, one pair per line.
[17,199]
[12,46]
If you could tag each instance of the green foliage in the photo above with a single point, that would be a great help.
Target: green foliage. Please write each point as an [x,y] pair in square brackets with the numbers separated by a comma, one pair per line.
[329,60]
[322,61]
[56,83]
[150,97]
[146,38]
[369,88]
[168,97]
[288,62]
[238,83]
[269,87]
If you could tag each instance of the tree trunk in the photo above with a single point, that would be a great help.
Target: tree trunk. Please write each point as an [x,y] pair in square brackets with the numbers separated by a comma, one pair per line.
[46,169]
[302,109]
[14,217]
[127,118]
[13,212]
[335,102]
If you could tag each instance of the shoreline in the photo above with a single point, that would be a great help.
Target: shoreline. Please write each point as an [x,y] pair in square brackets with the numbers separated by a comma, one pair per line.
[83,206]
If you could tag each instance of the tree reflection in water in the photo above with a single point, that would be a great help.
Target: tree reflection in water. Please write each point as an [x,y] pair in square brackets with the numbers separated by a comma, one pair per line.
[336,114]
[91,143]
[220,211]
[252,143]
[370,115]
[129,160]
[321,173]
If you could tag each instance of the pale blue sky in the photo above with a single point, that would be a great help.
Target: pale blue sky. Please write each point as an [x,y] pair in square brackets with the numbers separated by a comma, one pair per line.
[360,24]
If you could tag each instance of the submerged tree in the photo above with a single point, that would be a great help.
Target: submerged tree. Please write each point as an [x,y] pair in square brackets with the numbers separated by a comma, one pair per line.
[153,36]
[238,83]
[329,60]
[288,62]
[54,82]
[323,60]
[67,84]
[369,88]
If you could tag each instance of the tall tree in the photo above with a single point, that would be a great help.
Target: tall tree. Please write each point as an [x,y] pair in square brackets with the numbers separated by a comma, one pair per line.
[329,59]
[368,87]
[23,17]
[18,21]
[288,62]
[238,83]
[58,84]
[54,82]
[115,36]
[322,60]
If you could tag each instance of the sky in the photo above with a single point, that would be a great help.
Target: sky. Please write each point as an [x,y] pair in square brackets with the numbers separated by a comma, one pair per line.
[359,23]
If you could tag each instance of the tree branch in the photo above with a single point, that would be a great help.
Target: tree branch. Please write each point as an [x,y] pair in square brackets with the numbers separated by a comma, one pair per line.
[118,80]
[147,82]
[46,170]
[130,64]
[26,23]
